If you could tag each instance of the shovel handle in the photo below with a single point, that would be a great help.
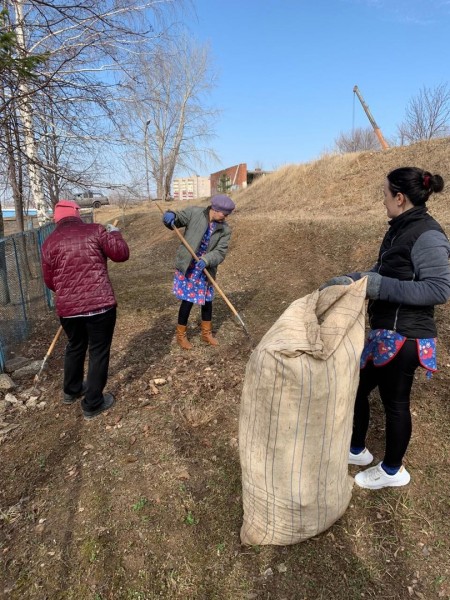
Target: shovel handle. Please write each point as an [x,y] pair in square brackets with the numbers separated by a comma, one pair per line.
[55,339]
[49,351]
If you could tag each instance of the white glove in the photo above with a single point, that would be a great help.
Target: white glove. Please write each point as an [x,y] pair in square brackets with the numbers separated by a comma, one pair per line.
[109,228]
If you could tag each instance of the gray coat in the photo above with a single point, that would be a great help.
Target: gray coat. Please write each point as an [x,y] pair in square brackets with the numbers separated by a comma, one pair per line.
[195,220]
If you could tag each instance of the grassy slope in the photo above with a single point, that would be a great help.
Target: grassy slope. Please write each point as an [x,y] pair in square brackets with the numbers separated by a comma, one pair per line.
[145,502]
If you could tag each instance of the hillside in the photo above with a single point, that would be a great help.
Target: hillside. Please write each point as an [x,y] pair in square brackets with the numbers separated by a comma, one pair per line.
[145,502]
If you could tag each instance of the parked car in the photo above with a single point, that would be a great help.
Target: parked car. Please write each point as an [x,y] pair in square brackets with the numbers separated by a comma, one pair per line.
[90,199]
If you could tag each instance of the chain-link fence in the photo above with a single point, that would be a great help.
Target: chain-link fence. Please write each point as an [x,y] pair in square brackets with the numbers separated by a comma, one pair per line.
[23,294]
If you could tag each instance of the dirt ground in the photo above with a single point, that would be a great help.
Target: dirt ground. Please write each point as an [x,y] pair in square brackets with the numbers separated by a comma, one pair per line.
[145,502]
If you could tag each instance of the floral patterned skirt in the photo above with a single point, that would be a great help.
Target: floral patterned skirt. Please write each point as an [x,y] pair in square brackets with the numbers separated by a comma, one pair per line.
[193,287]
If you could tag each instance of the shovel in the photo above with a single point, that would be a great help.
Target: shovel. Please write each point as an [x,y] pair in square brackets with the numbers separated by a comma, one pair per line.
[210,278]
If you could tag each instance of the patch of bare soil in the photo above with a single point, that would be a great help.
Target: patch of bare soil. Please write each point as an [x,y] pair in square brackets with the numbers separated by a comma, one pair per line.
[145,502]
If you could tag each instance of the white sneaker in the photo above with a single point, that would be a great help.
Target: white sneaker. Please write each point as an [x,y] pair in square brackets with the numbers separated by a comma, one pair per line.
[376,478]
[362,459]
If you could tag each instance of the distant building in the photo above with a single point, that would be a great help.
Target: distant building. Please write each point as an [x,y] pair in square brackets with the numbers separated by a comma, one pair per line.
[189,188]
[234,178]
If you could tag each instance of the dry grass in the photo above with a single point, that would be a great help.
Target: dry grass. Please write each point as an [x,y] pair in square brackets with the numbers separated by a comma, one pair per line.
[341,185]
[144,502]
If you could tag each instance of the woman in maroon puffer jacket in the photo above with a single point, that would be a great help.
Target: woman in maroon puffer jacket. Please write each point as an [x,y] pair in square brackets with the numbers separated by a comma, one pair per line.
[74,263]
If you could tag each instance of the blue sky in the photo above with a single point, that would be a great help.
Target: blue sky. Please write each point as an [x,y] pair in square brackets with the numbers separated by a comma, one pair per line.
[286,70]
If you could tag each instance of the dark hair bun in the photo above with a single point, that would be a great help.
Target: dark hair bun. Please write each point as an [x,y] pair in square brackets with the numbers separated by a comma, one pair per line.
[436,183]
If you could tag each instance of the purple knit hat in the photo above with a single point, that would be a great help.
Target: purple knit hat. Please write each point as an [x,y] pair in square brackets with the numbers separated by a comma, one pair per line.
[222,204]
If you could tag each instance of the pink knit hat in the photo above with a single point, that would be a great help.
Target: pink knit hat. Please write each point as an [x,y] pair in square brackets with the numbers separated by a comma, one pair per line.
[65,208]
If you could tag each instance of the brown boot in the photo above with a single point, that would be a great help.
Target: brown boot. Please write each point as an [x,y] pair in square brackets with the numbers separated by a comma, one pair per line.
[207,336]
[182,340]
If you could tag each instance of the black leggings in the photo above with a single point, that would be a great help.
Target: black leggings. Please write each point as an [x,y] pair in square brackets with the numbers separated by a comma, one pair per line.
[185,311]
[394,382]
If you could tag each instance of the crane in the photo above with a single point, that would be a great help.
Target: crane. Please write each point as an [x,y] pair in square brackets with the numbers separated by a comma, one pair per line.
[376,129]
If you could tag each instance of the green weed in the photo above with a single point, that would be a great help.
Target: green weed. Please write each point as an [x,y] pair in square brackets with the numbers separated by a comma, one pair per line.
[140,504]
[190,519]
[220,548]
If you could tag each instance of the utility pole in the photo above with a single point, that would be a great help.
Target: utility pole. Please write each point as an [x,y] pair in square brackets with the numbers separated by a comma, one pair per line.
[146,157]
[376,129]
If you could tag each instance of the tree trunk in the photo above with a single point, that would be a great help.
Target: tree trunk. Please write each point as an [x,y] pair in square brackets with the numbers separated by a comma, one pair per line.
[168,182]
[26,115]
[14,179]
[4,289]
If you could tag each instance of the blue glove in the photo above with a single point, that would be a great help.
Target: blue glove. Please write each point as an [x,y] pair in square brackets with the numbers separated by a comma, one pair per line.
[111,227]
[169,219]
[201,264]
[341,280]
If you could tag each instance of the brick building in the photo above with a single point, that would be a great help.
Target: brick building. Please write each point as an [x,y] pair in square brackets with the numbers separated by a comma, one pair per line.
[234,178]
[230,179]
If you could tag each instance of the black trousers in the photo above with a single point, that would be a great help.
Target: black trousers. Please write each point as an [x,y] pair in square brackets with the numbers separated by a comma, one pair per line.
[185,311]
[394,381]
[95,333]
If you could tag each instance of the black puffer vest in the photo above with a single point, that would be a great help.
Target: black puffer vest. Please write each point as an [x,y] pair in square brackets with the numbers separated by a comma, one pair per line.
[394,261]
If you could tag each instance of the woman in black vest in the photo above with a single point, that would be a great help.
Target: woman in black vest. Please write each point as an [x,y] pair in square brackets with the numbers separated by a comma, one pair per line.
[410,277]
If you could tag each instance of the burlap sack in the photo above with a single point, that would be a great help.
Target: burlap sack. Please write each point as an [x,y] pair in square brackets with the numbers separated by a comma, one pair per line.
[296,417]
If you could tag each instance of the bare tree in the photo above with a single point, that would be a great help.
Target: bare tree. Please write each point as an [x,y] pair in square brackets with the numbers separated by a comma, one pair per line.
[168,111]
[84,44]
[427,115]
[358,140]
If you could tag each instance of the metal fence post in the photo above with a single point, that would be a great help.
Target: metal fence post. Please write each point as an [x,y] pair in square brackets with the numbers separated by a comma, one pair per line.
[47,293]
[2,357]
